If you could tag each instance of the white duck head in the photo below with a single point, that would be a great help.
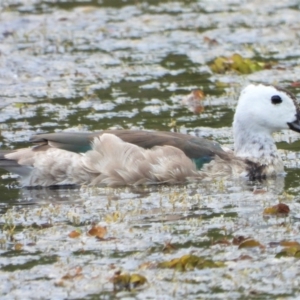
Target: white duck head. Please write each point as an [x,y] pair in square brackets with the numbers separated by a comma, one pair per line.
[261,111]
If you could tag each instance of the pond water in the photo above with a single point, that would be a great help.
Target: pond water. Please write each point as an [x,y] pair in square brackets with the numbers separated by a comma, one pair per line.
[91,65]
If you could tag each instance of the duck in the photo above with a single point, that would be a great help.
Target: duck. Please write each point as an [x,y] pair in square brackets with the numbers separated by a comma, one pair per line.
[140,157]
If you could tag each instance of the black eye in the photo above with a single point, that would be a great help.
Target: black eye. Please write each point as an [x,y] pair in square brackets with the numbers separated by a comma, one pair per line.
[276,99]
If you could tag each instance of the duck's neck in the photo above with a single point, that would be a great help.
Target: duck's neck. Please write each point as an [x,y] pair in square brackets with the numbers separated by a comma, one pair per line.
[257,145]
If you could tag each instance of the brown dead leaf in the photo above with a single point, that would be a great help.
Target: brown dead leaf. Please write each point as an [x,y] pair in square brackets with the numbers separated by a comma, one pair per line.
[280,208]
[98,231]
[194,101]
[18,246]
[283,208]
[74,234]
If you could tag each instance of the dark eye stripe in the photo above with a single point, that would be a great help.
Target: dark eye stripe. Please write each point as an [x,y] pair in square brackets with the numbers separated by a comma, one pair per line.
[276,99]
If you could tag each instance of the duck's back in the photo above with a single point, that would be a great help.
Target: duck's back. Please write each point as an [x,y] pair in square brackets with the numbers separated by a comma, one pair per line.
[198,149]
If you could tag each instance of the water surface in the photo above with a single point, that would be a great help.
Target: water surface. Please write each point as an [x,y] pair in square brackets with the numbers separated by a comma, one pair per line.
[92,65]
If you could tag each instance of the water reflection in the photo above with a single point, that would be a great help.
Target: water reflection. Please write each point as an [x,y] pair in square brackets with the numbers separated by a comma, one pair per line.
[76,194]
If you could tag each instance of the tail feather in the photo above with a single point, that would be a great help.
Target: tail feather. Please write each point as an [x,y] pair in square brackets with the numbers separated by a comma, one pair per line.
[12,165]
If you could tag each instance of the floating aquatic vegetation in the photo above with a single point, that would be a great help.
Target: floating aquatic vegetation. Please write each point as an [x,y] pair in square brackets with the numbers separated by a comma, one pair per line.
[250,243]
[126,281]
[291,248]
[278,209]
[246,242]
[238,64]
[190,262]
